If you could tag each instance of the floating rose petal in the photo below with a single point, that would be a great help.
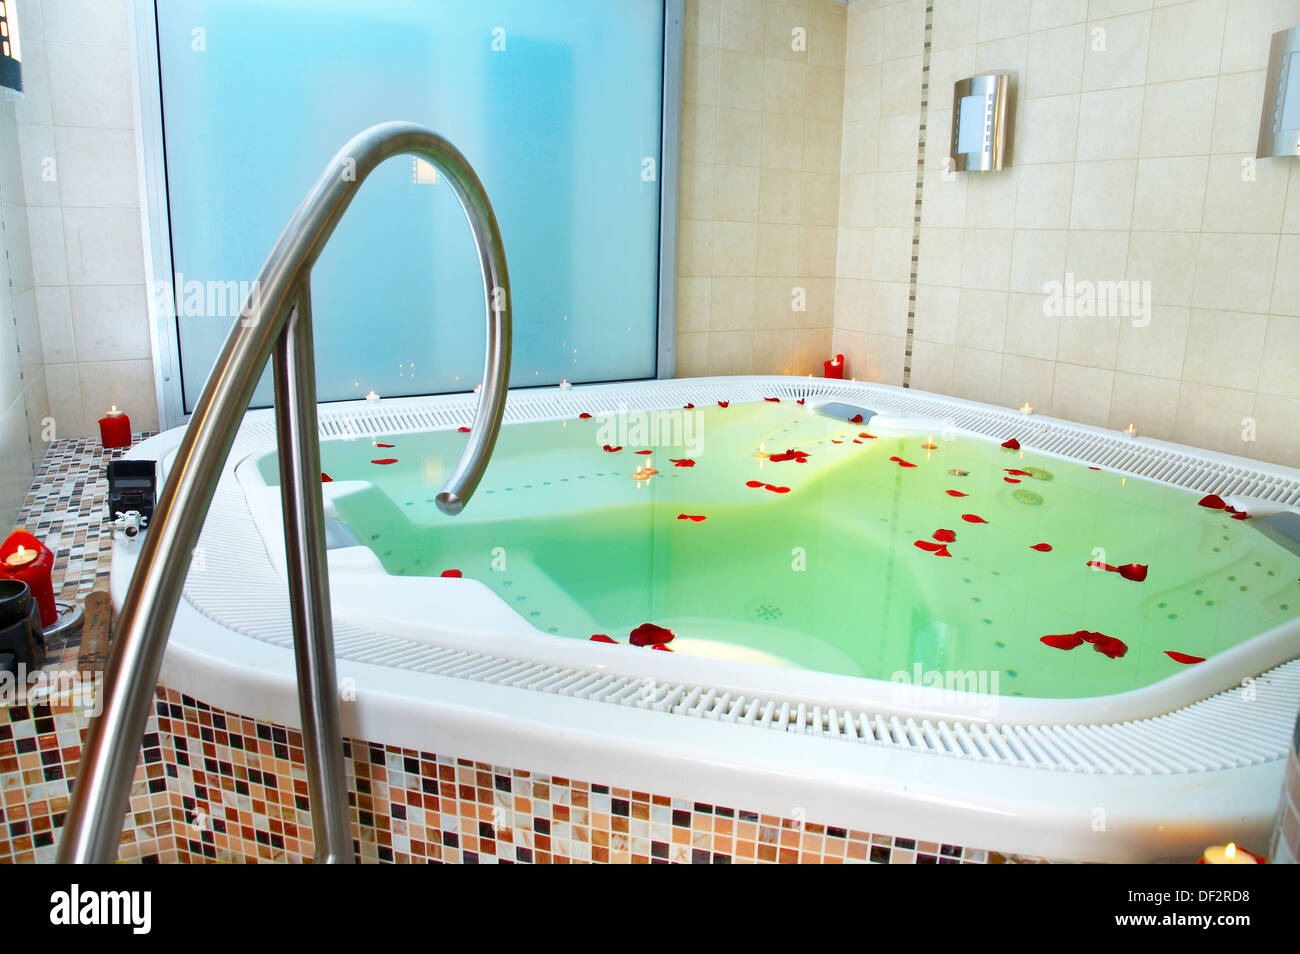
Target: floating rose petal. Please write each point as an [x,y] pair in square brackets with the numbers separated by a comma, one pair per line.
[1042,547]
[1213,502]
[647,634]
[645,452]
[451,574]
[1183,658]
[1094,468]
[688,407]
[385,460]
[697,517]
[929,446]
[772,400]
[777,490]
[1012,480]
[902,463]
[602,638]
[1137,572]
[870,437]
[856,441]
[928,546]
[326,478]
[834,441]
[1011,444]
[856,419]
[582,417]
[800,401]
[946,536]
[724,403]
[1240,515]
[681,461]
[791,454]
[612,450]
[463,430]
[972,518]
[661,647]
[1107,645]
[384,445]
[755,483]
[1017,473]
[955,493]
[1062,640]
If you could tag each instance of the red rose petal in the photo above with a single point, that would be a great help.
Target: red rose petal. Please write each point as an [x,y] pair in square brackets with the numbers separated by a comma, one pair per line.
[688,407]
[1213,502]
[698,518]
[856,441]
[582,417]
[901,462]
[385,460]
[1183,657]
[1108,645]
[612,450]
[463,430]
[1042,547]
[928,546]
[451,574]
[326,478]
[1062,641]
[777,490]
[856,419]
[755,483]
[942,551]
[772,400]
[1137,572]
[385,445]
[955,493]
[946,536]
[834,441]
[972,518]
[800,401]
[1094,468]
[1102,566]
[645,452]
[647,634]
[1240,515]
[1011,444]
[1017,473]
[870,437]
[681,461]
[724,403]
[1012,480]
[661,647]
[602,638]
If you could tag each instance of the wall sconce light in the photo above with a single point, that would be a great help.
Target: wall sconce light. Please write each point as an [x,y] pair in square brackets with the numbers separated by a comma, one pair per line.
[981,123]
[1279,122]
[11,54]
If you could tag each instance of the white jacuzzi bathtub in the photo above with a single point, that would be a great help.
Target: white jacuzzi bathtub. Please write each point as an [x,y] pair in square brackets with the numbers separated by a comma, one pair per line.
[445,665]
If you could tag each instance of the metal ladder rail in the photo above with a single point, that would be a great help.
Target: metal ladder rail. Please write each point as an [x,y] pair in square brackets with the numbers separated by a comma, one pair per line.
[276,325]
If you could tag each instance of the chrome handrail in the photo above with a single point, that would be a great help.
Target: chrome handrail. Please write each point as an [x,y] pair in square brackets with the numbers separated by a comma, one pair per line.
[276,323]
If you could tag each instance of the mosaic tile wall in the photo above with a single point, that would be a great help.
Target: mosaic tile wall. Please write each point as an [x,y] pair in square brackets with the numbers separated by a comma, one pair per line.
[215,786]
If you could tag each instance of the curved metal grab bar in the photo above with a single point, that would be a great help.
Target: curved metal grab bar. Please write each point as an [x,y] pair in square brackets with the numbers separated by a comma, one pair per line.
[276,322]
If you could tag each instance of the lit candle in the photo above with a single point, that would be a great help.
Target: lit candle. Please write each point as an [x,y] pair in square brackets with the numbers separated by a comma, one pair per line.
[834,368]
[1228,854]
[20,557]
[1131,430]
[564,384]
[371,395]
[1026,408]
[115,429]
[762,452]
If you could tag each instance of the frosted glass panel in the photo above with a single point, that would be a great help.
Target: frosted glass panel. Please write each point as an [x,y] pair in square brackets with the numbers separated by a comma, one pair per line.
[557,106]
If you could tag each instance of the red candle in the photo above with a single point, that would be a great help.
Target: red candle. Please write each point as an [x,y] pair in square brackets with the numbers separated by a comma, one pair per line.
[23,557]
[115,429]
[834,367]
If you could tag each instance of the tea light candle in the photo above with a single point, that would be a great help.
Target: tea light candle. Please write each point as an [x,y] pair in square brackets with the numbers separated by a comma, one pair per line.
[762,452]
[23,557]
[564,384]
[1228,854]
[115,428]
[371,395]
[1026,408]
[834,368]
[1131,430]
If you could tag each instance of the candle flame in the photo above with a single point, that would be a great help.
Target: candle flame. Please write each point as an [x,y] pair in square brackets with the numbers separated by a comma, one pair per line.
[1026,408]
[1232,850]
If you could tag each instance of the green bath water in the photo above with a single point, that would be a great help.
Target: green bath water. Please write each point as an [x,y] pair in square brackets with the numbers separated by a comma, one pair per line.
[827,576]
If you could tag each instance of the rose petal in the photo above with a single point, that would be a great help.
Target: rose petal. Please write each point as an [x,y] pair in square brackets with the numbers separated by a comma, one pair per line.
[1137,572]
[755,483]
[1017,473]
[691,516]
[928,546]
[1213,502]
[955,493]
[1108,645]
[602,638]
[463,430]
[856,419]
[834,441]
[724,403]
[946,536]
[1042,547]
[800,401]
[870,437]
[612,450]
[1012,480]
[384,445]
[451,574]
[681,461]
[1098,565]
[661,647]
[1011,444]
[772,400]
[582,417]
[647,634]
[645,452]
[1062,640]
[1183,658]
[326,478]
[688,407]
[902,463]
[777,490]
[943,552]
[972,518]
[385,460]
